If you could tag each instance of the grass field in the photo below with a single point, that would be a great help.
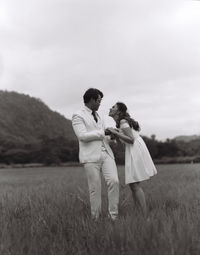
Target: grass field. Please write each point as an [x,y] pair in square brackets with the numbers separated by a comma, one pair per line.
[46,211]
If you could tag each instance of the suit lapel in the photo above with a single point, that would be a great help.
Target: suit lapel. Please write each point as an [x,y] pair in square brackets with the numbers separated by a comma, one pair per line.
[91,118]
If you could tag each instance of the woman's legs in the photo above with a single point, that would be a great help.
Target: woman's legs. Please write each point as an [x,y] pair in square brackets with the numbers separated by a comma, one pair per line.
[139,197]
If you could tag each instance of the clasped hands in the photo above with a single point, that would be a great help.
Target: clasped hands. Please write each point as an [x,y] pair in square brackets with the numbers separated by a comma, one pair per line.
[112,132]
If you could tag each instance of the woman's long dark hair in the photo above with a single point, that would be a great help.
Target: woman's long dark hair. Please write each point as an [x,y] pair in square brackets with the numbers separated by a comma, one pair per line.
[123,114]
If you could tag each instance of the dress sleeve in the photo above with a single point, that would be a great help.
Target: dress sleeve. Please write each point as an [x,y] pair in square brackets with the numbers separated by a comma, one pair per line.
[124,124]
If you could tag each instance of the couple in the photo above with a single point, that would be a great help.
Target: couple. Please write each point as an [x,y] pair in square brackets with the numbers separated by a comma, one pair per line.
[97,156]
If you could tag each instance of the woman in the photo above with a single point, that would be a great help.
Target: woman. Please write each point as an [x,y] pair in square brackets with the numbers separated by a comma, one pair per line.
[138,163]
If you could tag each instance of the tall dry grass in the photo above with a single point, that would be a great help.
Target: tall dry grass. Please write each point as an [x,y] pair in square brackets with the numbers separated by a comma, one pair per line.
[46,211]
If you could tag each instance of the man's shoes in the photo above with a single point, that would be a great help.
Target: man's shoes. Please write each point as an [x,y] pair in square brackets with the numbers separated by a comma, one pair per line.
[113,218]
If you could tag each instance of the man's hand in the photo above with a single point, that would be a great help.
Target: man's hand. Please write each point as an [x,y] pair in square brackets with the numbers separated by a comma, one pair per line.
[114,131]
[107,131]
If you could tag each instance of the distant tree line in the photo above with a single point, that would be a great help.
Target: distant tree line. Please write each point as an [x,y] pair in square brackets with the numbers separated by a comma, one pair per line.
[47,151]
[30,132]
[61,150]
[168,151]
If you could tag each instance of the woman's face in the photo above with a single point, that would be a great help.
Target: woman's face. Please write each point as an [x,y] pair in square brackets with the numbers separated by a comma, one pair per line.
[113,111]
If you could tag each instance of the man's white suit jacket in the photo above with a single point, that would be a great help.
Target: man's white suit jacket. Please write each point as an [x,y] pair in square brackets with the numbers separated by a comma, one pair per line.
[91,136]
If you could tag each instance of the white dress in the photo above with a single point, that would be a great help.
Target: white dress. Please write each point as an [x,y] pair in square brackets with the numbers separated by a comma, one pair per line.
[138,162]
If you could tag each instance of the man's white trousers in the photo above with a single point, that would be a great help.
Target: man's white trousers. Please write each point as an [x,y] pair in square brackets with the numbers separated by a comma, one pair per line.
[109,170]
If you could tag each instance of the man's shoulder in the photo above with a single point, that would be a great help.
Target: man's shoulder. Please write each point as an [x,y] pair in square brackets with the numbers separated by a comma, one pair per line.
[80,112]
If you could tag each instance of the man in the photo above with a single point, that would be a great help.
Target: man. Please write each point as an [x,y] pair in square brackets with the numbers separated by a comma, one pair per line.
[96,154]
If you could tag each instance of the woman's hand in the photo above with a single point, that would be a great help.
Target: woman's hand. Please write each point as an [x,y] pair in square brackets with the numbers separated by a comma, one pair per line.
[113,130]
[125,135]
[111,134]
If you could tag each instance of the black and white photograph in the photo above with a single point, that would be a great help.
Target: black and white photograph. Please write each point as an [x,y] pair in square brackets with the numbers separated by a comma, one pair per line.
[99,127]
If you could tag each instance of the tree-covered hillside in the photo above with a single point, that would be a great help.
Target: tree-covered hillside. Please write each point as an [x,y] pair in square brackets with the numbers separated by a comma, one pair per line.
[25,119]
[30,131]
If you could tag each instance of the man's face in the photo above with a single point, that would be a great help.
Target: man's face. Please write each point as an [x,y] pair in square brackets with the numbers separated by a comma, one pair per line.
[96,103]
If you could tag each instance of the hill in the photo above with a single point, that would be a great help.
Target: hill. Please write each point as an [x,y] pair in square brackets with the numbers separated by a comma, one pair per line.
[186,138]
[26,119]
[28,126]
[30,132]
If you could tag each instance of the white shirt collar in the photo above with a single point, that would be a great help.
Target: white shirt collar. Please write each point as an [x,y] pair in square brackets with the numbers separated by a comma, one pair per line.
[88,109]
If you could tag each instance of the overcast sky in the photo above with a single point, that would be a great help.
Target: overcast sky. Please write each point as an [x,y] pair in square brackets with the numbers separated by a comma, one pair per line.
[143,53]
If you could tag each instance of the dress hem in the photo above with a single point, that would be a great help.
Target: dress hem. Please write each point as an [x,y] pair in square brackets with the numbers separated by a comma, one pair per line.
[140,180]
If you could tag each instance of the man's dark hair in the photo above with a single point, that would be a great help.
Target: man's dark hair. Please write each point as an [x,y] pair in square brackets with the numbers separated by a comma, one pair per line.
[92,93]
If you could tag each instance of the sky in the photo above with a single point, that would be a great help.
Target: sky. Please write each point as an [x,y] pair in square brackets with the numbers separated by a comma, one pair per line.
[140,52]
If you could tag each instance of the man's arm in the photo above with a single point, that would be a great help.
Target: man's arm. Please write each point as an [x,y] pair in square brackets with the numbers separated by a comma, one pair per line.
[81,131]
